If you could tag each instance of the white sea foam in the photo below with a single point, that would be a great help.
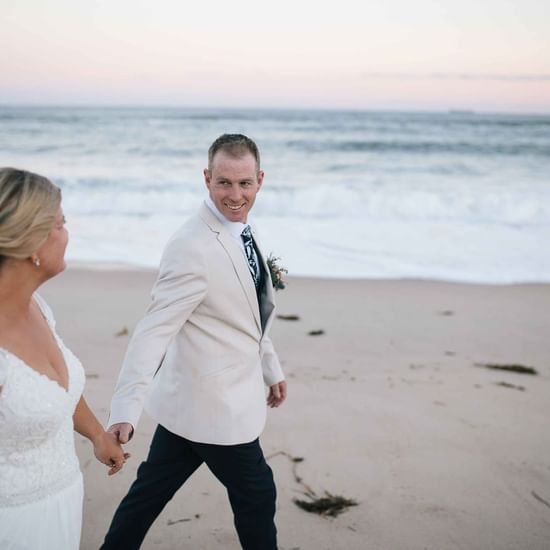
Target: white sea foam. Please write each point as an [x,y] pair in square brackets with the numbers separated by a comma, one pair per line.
[346,195]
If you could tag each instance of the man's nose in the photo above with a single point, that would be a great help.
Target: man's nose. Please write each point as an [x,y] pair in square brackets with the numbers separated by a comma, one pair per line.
[235,193]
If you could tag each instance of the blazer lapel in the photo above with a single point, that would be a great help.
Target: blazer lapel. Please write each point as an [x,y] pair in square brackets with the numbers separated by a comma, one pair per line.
[238,260]
[269,294]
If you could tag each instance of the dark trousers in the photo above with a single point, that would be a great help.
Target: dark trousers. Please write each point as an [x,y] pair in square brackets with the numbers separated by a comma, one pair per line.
[172,459]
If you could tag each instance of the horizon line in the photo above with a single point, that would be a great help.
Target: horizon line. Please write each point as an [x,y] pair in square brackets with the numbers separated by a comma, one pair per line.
[412,110]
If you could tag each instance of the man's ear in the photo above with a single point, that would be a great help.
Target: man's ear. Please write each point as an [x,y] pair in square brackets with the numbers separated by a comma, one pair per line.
[207,177]
[260,178]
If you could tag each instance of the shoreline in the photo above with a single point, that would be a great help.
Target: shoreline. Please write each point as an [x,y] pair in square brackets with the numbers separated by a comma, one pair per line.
[388,405]
[130,268]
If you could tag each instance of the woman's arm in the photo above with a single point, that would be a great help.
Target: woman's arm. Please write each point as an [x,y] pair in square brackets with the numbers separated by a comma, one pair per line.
[106,448]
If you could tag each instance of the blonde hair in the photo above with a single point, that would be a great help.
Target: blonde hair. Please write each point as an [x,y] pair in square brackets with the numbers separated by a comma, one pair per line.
[28,206]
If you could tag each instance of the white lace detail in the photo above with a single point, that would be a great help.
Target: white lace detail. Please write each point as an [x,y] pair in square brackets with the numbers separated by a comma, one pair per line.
[37,453]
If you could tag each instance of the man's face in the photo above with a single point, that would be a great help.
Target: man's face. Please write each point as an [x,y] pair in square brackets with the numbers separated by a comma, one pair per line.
[233,183]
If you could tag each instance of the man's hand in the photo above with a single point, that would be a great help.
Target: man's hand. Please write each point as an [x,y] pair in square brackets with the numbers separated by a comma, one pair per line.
[277,394]
[109,452]
[123,431]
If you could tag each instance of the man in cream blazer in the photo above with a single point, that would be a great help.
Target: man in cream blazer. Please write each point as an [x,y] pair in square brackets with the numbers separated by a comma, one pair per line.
[200,360]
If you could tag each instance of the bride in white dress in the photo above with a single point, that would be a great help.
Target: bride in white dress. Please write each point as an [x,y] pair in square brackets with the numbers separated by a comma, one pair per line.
[41,381]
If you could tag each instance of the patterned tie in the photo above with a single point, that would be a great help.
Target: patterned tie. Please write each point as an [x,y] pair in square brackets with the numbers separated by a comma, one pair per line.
[246,236]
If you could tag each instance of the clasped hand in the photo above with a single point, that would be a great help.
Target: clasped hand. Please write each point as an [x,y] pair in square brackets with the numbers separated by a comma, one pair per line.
[109,451]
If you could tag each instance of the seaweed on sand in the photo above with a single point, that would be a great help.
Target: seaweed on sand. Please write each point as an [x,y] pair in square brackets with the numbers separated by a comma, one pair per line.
[291,317]
[511,386]
[512,367]
[327,506]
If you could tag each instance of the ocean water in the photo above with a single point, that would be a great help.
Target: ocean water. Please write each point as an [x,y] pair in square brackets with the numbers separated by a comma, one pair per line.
[448,196]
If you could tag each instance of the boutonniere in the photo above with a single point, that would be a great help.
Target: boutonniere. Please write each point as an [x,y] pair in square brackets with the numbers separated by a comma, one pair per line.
[277,273]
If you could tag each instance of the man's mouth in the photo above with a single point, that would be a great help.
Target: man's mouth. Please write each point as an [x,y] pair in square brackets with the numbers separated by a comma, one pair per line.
[234,207]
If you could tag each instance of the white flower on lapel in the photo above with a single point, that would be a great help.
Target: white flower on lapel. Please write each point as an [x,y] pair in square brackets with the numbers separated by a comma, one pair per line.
[276,272]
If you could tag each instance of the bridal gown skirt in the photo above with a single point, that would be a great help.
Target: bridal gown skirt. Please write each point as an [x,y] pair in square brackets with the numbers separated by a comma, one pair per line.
[52,523]
[41,492]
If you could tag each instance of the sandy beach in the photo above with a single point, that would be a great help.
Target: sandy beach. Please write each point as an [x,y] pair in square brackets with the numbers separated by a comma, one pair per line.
[390,406]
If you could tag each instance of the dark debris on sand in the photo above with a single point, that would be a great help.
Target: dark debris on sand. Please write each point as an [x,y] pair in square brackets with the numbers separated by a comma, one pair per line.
[540,499]
[511,386]
[288,317]
[329,505]
[512,367]
[171,522]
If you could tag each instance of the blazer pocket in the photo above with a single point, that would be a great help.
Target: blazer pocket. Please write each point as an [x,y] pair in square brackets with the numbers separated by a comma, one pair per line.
[218,372]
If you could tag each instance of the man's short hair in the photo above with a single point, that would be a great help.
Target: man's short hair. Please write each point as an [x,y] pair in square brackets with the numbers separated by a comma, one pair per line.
[235,145]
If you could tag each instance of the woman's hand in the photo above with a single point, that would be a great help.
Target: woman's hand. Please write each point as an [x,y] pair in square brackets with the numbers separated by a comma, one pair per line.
[109,452]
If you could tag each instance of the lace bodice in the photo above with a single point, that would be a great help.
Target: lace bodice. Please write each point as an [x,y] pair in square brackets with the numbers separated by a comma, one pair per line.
[37,454]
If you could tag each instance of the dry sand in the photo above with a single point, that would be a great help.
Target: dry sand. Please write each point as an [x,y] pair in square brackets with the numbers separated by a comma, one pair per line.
[386,407]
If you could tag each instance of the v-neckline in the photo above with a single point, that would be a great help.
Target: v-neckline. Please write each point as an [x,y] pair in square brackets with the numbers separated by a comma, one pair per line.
[56,343]
[39,373]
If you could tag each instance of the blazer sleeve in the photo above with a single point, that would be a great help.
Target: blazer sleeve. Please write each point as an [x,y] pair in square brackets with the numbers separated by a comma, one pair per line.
[179,289]
[271,367]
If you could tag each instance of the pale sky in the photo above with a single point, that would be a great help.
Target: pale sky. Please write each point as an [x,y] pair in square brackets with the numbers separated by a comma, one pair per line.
[394,54]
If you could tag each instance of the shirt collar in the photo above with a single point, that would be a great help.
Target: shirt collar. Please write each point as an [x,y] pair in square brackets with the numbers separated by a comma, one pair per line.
[235,228]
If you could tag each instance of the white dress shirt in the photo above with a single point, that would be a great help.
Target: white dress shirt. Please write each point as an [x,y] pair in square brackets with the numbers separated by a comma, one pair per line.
[234,228]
